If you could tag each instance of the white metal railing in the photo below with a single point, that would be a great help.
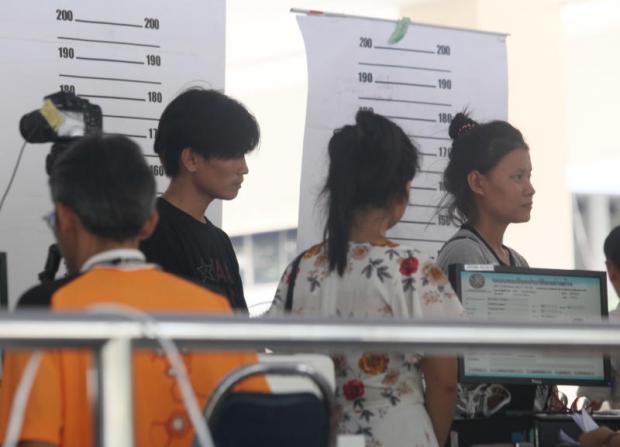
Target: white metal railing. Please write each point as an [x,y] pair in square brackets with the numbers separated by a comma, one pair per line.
[114,337]
[42,329]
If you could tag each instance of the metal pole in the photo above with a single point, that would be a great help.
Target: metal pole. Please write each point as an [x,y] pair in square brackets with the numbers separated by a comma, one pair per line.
[115,412]
[22,330]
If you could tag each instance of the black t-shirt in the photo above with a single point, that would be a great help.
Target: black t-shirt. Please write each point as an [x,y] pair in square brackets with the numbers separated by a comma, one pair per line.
[197,250]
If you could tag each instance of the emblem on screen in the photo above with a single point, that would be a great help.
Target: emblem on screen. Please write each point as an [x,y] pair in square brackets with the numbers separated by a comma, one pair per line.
[476,281]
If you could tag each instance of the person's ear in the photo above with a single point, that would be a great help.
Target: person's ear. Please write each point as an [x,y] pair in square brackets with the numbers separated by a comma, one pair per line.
[408,189]
[149,226]
[612,271]
[475,181]
[189,159]
[66,219]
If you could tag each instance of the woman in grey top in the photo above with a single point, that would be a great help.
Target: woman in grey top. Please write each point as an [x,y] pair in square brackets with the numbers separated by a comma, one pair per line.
[489,187]
[488,184]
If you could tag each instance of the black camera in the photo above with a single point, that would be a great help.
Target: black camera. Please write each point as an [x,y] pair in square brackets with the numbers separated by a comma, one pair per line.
[63,118]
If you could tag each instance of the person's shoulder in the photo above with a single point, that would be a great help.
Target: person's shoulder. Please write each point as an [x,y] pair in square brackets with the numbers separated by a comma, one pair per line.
[312,251]
[462,248]
[457,245]
[519,260]
[171,217]
[403,256]
[169,227]
[165,209]
[216,232]
[190,286]
[393,250]
[165,224]
[41,295]
[463,235]
[409,255]
[463,241]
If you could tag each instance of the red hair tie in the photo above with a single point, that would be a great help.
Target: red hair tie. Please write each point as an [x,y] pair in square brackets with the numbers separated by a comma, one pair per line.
[465,127]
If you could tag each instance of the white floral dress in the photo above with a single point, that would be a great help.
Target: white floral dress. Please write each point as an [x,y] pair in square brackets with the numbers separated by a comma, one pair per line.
[380,395]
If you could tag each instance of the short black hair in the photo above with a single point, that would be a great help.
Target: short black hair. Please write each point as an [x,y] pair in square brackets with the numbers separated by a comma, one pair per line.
[612,247]
[370,164]
[106,181]
[475,147]
[207,121]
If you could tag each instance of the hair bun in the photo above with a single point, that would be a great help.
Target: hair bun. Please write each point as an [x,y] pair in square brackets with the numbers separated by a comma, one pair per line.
[460,125]
[366,123]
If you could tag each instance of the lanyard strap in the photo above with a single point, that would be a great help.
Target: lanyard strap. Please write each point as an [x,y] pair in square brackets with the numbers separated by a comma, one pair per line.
[471,228]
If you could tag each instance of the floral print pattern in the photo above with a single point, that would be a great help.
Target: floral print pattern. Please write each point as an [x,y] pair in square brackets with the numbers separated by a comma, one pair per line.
[375,267]
[409,266]
[435,275]
[353,389]
[391,377]
[373,364]
[359,252]
[375,392]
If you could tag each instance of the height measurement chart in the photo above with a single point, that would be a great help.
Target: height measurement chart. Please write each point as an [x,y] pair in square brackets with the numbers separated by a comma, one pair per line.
[420,83]
[130,58]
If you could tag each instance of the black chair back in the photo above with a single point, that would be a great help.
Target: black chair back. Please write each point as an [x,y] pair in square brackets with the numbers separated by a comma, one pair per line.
[245,419]
[275,420]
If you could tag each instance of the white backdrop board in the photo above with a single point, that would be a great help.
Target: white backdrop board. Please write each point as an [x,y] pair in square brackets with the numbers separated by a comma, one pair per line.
[129,57]
[420,83]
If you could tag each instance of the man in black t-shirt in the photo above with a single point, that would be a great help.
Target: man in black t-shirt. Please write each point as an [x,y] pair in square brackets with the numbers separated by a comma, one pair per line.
[202,139]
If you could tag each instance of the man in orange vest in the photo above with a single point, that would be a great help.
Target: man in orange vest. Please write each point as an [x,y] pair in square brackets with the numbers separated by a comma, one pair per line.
[104,196]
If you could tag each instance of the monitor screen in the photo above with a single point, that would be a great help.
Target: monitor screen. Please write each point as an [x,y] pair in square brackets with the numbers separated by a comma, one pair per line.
[495,293]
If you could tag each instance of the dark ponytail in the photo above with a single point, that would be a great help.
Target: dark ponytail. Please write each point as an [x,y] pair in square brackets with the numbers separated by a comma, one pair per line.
[475,147]
[370,164]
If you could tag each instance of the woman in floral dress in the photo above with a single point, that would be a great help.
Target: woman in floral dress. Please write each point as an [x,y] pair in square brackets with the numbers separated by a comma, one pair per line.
[357,273]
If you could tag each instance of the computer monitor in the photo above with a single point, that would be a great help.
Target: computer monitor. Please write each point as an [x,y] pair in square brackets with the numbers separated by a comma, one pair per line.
[495,293]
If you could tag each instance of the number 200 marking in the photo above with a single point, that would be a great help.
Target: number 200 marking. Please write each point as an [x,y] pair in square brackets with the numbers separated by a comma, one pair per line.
[151,23]
[64,15]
